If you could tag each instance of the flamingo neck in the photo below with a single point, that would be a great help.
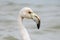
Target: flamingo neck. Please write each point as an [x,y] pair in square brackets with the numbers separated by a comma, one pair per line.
[23,31]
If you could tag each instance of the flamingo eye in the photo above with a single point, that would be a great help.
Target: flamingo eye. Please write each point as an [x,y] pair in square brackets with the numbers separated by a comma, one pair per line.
[29,12]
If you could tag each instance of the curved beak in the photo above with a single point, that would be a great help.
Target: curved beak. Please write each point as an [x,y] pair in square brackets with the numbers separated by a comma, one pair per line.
[36,19]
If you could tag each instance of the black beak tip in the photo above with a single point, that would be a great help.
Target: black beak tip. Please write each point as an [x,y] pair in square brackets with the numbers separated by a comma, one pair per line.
[38,25]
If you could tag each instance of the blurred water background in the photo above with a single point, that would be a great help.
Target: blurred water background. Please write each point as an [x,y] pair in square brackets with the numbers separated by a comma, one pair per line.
[48,10]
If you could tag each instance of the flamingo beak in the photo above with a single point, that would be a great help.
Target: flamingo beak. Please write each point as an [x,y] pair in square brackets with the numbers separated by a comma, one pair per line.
[36,19]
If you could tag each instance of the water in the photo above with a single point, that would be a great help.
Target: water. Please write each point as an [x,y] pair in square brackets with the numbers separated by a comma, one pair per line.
[48,10]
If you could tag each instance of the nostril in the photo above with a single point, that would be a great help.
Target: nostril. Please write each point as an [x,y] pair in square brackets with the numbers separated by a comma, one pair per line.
[36,16]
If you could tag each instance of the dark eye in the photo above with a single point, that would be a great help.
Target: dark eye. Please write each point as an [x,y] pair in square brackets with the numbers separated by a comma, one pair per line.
[29,12]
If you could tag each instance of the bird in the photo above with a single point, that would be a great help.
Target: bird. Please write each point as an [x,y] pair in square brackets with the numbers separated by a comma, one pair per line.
[28,13]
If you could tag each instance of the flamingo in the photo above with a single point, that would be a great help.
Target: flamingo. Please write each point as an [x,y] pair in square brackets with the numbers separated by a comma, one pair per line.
[28,13]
